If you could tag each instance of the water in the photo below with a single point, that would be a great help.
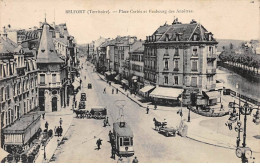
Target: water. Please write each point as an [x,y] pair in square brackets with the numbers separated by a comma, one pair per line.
[246,87]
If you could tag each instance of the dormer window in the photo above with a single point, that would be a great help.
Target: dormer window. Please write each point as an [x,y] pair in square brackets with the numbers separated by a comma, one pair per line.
[195,37]
[167,37]
[210,37]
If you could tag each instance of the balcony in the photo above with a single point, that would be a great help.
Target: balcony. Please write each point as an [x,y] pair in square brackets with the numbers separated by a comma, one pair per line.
[176,69]
[211,71]
[54,84]
[211,57]
[166,55]
[194,56]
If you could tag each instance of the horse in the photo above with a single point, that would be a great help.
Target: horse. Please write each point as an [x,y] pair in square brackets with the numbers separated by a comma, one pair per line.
[157,124]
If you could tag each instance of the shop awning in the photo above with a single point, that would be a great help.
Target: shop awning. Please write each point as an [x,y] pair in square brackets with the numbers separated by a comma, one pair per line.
[166,93]
[212,94]
[124,81]
[22,124]
[134,78]
[108,73]
[147,88]
[113,73]
[117,78]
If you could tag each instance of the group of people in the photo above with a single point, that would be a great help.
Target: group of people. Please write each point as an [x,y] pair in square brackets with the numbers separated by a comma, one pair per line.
[58,131]
[106,122]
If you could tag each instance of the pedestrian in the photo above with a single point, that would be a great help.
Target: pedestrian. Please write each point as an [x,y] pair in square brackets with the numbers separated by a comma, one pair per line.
[76,102]
[113,91]
[61,121]
[107,122]
[116,90]
[110,136]
[135,160]
[99,142]
[46,125]
[104,90]
[113,151]
[155,106]
[61,130]
[147,110]
[55,130]
[43,115]
[58,131]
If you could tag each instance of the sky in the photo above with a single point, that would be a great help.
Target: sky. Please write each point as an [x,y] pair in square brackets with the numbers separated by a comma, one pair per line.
[233,19]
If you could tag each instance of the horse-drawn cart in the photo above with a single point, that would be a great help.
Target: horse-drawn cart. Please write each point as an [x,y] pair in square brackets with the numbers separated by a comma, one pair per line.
[168,131]
[161,127]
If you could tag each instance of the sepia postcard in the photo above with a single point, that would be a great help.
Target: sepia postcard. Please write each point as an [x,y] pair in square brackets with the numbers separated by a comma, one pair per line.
[130,81]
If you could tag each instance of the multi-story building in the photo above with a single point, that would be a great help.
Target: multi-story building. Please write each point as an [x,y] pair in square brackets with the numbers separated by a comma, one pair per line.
[137,65]
[18,94]
[52,75]
[181,56]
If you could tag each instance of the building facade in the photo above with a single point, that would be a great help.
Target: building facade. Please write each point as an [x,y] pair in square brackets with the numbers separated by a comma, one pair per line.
[181,56]
[137,65]
[52,75]
[18,92]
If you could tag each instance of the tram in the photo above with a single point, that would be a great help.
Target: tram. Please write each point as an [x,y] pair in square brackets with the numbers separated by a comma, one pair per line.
[123,137]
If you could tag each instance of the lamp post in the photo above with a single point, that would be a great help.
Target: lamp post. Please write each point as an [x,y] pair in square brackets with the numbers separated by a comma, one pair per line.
[243,152]
[188,113]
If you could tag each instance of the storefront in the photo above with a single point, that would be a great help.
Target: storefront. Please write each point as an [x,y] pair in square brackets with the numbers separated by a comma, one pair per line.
[166,96]
[145,91]
[22,131]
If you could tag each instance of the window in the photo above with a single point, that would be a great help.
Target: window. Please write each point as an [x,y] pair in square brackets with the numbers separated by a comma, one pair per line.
[42,78]
[176,52]
[166,79]
[195,51]
[121,141]
[194,81]
[126,141]
[176,65]
[2,94]
[7,92]
[194,66]
[166,64]
[53,78]
[176,80]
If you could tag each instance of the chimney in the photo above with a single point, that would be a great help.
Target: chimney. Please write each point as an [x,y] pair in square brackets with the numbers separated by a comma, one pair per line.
[19,42]
[4,33]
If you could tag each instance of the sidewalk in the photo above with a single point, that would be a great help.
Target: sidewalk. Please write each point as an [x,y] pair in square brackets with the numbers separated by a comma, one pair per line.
[53,119]
[200,128]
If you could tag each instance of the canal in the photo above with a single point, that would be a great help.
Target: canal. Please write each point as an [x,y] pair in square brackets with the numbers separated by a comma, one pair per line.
[246,87]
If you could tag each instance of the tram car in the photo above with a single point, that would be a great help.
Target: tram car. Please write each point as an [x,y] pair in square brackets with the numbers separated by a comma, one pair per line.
[123,136]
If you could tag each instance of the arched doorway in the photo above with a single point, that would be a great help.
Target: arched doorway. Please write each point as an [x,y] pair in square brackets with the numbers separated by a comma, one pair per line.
[54,104]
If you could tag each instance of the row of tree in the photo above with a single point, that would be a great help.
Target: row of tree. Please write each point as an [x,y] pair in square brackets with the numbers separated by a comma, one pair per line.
[243,58]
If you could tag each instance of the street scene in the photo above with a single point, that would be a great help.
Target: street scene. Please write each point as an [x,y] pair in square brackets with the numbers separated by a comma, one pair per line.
[181,92]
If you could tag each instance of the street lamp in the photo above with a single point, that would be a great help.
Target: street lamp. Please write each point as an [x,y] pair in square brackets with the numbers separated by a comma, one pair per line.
[243,152]
[189,112]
